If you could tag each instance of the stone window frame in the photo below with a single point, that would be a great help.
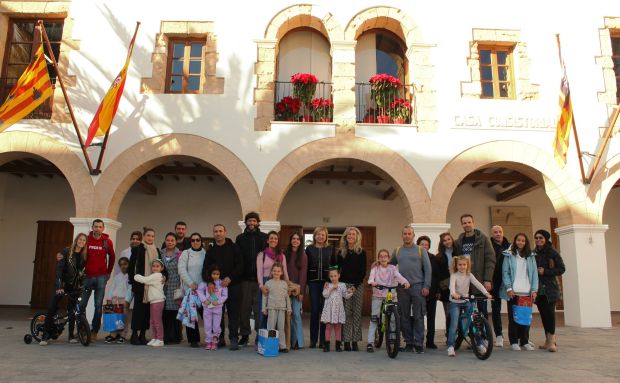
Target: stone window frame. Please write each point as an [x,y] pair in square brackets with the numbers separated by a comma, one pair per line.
[178,30]
[524,89]
[611,26]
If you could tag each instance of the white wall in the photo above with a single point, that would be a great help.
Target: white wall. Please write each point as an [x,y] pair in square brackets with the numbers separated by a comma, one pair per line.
[611,217]
[26,201]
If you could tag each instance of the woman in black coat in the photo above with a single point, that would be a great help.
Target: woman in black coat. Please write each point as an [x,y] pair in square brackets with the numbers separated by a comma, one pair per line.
[550,266]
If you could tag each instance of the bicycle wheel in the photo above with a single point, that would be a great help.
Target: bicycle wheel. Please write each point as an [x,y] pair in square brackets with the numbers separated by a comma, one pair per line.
[83,330]
[481,336]
[392,339]
[37,325]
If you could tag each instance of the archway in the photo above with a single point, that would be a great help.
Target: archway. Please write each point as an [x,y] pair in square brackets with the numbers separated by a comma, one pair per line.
[611,217]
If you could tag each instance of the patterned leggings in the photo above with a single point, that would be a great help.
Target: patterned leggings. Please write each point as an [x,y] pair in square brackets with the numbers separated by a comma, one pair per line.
[353,311]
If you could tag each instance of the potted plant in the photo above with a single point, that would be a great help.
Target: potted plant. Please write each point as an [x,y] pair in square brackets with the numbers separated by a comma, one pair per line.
[304,86]
[322,109]
[400,111]
[383,89]
[287,109]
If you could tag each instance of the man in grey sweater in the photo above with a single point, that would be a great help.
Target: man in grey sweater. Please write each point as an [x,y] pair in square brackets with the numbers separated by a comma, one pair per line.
[413,264]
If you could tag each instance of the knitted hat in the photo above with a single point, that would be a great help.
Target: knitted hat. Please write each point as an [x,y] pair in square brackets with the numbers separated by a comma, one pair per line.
[545,234]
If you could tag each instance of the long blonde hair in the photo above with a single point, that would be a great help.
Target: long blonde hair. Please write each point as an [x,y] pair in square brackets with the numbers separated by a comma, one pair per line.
[455,260]
[316,231]
[344,245]
[84,249]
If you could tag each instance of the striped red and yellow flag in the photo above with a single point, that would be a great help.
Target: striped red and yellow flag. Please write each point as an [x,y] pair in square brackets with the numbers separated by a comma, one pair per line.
[32,88]
[107,110]
[565,121]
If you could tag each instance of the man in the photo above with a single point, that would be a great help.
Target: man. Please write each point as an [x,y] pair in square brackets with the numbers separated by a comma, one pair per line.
[500,244]
[414,264]
[99,264]
[250,242]
[475,245]
[225,254]
[180,230]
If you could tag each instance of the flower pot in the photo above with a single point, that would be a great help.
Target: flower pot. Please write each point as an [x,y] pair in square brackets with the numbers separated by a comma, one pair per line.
[383,119]
[369,119]
[307,119]
[290,119]
[324,119]
[398,120]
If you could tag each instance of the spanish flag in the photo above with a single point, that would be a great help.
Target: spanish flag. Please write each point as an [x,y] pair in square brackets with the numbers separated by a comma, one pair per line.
[565,121]
[32,88]
[107,110]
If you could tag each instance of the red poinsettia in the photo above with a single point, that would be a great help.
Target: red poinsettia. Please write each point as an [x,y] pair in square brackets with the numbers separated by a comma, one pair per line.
[304,86]
[322,109]
[287,108]
[304,78]
[384,89]
[400,111]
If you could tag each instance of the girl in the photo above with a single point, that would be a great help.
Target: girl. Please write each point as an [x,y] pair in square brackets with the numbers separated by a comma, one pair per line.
[172,290]
[190,271]
[264,262]
[352,261]
[319,261]
[333,310]
[154,287]
[519,278]
[384,274]
[550,265]
[445,251]
[277,303]
[297,265]
[212,305]
[460,279]
[116,295]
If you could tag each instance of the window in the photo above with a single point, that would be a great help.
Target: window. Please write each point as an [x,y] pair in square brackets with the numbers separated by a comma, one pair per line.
[496,72]
[23,37]
[615,56]
[186,66]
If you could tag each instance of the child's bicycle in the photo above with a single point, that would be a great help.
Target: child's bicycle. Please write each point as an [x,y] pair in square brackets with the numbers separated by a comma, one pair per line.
[474,325]
[37,324]
[388,323]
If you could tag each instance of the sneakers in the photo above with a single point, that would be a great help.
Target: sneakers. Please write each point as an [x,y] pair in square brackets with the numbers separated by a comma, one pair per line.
[529,347]
[151,342]
[245,340]
[209,346]
[120,340]
[73,340]
[110,339]
[499,341]
[369,348]
[234,345]
[419,349]
[157,343]
[451,351]
[515,347]
[43,342]
[482,349]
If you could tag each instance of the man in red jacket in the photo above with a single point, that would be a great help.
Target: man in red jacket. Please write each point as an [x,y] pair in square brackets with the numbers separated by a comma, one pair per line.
[99,264]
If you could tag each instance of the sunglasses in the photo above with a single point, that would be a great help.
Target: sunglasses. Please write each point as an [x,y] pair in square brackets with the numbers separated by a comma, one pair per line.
[196,240]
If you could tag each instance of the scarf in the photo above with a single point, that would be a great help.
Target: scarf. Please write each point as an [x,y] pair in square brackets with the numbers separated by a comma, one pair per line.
[150,255]
[275,257]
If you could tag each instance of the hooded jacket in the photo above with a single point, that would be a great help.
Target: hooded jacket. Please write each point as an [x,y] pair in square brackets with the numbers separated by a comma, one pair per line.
[99,261]
[482,257]
[250,244]
[228,258]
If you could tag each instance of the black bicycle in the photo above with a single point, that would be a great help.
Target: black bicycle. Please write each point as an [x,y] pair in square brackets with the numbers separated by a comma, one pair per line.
[37,324]
[388,323]
[473,325]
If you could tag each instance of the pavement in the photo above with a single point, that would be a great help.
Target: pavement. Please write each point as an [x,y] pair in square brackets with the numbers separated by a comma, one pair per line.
[585,355]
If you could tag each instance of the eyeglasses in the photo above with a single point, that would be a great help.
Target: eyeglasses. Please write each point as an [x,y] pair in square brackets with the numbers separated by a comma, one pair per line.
[196,240]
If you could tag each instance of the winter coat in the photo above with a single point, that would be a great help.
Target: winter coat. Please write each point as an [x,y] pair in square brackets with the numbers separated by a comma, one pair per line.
[509,270]
[482,257]
[549,259]
[250,244]
[190,266]
[499,261]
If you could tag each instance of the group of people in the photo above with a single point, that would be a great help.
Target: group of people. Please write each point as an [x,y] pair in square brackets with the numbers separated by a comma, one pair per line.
[185,278]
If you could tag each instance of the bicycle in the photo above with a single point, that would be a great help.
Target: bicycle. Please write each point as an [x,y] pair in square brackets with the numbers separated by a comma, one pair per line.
[473,324]
[37,324]
[388,323]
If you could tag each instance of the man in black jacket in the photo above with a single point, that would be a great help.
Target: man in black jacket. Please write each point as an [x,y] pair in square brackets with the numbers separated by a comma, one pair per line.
[500,244]
[225,254]
[250,242]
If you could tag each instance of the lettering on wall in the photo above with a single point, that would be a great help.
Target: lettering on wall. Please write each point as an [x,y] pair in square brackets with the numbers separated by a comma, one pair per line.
[503,122]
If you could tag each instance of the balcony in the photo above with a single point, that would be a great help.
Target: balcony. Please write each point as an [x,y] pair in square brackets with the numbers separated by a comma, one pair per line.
[43,112]
[287,107]
[396,107]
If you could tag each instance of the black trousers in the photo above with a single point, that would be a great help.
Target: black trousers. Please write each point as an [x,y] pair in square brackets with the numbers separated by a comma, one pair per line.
[172,327]
[431,308]
[232,307]
[141,313]
[547,313]
[193,334]
[517,334]
[53,308]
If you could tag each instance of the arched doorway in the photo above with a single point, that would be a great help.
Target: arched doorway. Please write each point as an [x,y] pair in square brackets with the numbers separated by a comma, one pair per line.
[611,217]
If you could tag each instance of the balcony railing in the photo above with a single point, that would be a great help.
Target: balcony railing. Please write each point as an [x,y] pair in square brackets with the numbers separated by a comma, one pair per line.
[43,112]
[397,107]
[289,108]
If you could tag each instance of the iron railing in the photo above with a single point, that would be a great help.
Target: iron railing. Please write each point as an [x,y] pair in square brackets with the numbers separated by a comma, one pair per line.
[391,108]
[320,109]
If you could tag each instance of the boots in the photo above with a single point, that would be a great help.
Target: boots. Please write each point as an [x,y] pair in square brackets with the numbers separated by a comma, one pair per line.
[326,346]
[134,339]
[553,347]
[547,342]
[354,346]
[338,343]
[347,346]
[142,338]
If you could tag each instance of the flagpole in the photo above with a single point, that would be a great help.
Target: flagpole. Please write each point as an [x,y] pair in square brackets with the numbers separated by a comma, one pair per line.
[64,93]
[97,169]
[607,136]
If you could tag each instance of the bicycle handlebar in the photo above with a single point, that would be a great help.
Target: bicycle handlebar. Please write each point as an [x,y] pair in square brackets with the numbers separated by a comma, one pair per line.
[389,288]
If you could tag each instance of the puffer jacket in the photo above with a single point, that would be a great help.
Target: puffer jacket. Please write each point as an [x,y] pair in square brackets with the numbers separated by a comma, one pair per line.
[550,260]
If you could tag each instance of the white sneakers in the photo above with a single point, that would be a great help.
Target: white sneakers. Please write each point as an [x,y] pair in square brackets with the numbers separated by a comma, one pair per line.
[529,347]
[157,343]
[499,341]
[515,347]
[151,342]
[43,343]
[451,351]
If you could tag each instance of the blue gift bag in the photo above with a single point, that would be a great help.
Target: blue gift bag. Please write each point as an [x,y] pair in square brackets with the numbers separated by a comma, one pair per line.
[113,322]
[522,311]
[268,342]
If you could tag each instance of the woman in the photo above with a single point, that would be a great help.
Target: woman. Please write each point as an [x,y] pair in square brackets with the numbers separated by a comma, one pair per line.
[264,261]
[172,290]
[190,271]
[550,265]
[319,255]
[445,251]
[297,265]
[519,278]
[433,294]
[142,256]
[352,264]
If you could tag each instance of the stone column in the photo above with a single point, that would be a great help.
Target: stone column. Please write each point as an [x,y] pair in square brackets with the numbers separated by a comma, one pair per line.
[265,69]
[265,226]
[343,78]
[586,288]
[422,74]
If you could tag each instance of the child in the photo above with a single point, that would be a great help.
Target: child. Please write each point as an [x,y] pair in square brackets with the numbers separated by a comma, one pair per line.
[116,295]
[460,279]
[212,305]
[277,303]
[383,274]
[333,310]
[154,287]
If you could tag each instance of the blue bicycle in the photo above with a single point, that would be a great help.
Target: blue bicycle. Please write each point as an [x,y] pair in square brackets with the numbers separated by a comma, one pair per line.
[474,329]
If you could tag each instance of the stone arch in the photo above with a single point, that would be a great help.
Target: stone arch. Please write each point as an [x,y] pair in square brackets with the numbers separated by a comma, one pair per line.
[384,161]
[603,182]
[389,18]
[15,144]
[564,191]
[131,164]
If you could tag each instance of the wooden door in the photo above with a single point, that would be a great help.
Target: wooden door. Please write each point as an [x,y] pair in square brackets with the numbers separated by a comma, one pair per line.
[369,241]
[555,240]
[285,233]
[52,237]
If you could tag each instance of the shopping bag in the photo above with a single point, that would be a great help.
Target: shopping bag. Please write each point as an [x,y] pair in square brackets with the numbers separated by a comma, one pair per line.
[268,342]
[522,310]
[113,322]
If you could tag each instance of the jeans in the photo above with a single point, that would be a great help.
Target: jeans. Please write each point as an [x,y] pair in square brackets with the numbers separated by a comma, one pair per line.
[547,313]
[412,301]
[53,308]
[496,307]
[317,329]
[98,284]
[297,330]
[455,311]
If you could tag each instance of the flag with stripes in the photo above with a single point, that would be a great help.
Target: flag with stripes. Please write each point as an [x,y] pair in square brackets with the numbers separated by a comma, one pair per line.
[107,110]
[32,88]
[565,121]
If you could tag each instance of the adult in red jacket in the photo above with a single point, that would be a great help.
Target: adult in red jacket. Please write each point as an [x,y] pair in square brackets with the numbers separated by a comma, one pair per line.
[100,259]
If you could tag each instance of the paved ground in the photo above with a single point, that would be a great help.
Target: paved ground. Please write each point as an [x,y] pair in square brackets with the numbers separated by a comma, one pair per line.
[585,356]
